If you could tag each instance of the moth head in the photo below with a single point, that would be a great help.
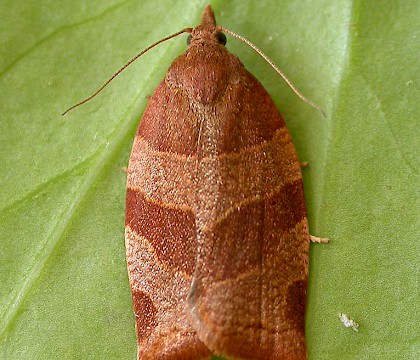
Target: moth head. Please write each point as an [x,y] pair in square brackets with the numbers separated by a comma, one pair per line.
[219,36]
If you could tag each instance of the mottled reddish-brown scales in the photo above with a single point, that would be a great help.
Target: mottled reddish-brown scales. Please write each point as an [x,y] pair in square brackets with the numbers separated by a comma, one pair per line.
[216,230]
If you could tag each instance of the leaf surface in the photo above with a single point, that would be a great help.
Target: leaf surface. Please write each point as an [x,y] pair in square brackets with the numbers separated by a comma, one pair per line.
[64,289]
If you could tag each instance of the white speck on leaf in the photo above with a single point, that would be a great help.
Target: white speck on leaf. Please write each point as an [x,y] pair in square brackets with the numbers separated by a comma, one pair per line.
[348,322]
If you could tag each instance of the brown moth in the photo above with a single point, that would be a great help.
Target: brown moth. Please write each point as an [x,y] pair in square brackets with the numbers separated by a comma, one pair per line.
[216,229]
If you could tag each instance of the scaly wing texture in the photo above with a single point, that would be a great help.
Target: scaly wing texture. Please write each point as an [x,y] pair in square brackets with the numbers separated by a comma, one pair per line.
[161,237]
[249,290]
[217,238]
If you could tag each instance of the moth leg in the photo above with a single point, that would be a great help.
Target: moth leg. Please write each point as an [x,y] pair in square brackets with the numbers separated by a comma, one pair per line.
[317,239]
[304,164]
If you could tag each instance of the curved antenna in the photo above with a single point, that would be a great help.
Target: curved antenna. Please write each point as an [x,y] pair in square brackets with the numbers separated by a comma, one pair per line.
[281,73]
[186,30]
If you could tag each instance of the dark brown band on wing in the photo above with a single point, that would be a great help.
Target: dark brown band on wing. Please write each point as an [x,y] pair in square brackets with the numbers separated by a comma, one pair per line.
[171,232]
[145,314]
[258,230]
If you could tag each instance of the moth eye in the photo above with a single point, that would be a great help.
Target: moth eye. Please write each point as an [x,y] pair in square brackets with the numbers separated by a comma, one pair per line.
[189,38]
[221,38]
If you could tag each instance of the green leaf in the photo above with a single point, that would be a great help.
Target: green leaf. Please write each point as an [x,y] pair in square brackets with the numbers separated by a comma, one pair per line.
[64,290]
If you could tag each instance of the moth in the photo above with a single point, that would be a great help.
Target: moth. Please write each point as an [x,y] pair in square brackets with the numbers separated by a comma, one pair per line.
[216,229]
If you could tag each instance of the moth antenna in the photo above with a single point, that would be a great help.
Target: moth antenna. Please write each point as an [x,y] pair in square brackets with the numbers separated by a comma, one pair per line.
[281,73]
[186,30]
